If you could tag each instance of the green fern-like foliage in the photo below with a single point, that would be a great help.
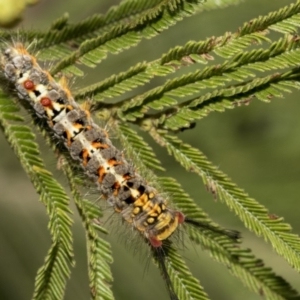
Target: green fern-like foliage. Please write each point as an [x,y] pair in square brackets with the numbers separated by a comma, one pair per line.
[260,61]
[51,277]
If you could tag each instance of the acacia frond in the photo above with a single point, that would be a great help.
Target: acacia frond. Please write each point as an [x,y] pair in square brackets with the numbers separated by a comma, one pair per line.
[264,89]
[99,251]
[253,214]
[244,265]
[123,36]
[249,269]
[52,45]
[184,284]
[192,52]
[239,67]
[241,262]
[176,58]
[52,276]
[97,24]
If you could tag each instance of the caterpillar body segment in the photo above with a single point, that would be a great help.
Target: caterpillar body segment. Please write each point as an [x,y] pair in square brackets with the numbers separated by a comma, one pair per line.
[138,203]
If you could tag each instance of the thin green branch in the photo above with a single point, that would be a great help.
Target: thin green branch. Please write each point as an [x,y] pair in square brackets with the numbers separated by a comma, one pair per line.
[225,46]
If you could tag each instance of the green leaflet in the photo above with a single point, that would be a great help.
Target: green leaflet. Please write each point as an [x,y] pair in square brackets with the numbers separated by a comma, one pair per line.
[51,277]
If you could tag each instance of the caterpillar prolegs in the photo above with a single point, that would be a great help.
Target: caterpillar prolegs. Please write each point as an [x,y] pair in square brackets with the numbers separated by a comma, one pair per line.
[139,203]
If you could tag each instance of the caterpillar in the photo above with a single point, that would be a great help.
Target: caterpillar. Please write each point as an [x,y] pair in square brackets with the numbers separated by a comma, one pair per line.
[130,195]
[138,203]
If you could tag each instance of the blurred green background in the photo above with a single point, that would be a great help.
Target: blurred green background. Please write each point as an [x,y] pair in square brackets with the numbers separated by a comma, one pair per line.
[257,146]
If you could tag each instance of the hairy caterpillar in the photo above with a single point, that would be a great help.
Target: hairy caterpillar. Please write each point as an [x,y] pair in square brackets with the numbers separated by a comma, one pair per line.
[129,194]
[137,202]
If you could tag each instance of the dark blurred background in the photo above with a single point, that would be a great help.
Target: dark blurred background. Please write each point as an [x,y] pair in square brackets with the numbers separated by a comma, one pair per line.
[257,146]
